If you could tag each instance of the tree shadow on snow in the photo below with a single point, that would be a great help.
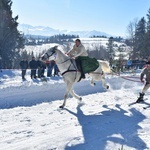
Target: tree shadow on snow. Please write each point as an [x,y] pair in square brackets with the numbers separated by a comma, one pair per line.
[112,125]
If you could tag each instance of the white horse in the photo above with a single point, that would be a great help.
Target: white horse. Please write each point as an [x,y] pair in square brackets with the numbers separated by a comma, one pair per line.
[71,74]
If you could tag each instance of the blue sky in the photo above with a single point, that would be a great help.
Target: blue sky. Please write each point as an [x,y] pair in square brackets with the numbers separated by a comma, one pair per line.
[110,16]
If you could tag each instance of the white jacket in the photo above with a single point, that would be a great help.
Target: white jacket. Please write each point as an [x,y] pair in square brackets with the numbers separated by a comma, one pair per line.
[78,51]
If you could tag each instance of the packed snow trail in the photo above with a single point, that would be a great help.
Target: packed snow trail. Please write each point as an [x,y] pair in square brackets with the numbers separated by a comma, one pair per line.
[31,120]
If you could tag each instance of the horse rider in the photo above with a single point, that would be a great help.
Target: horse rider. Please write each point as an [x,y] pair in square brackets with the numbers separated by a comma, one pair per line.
[145,72]
[77,51]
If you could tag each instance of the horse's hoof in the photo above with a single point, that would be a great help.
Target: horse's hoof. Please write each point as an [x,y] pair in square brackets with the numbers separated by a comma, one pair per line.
[107,87]
[93,84]
[61,106]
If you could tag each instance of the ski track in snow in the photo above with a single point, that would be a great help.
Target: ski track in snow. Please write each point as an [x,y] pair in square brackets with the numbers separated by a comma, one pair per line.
[31,118]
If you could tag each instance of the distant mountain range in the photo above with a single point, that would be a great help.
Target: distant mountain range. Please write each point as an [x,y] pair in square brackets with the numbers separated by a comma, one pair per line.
[48,31]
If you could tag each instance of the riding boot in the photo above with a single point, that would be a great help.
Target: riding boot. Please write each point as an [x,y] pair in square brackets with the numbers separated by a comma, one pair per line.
[79,66]
[140,98]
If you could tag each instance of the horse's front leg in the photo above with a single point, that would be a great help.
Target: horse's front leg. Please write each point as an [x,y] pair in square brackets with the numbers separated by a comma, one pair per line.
[75,95]
[68,89]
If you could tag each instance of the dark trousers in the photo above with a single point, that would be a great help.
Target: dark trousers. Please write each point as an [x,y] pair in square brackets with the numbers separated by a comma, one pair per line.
[23,73]
[79,66]
[50,69]
[56,70]
[41,72]
[33,73]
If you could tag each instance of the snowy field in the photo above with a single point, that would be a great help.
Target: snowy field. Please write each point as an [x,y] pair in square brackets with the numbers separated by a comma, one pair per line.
[31,118]
[89,43]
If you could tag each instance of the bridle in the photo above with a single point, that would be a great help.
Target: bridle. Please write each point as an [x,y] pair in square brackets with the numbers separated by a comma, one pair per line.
[68,70]
[50,54]
[53,52]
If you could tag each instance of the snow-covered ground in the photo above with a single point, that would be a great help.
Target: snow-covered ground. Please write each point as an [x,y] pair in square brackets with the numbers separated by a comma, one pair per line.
[30,118]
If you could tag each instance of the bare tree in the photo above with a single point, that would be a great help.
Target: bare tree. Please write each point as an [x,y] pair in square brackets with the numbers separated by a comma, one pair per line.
[131,28]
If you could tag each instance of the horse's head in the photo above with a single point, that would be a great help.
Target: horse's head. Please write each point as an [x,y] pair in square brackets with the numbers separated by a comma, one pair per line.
[49,53]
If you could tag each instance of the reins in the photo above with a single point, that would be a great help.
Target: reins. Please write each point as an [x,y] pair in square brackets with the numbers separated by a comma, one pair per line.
[64,61]
[68,70]
[72,70]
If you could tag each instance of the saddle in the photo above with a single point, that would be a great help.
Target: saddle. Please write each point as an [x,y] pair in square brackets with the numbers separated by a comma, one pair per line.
[86,64]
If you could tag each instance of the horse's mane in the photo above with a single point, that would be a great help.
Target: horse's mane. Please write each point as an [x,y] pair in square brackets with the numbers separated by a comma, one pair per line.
[61,48]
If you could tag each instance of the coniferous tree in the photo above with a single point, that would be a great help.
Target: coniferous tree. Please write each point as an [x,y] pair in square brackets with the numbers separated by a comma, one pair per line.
[140,32]
[147,37]
[110,50]
[10,37]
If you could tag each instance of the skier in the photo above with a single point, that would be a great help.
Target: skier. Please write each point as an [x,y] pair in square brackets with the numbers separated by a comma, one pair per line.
[145,72]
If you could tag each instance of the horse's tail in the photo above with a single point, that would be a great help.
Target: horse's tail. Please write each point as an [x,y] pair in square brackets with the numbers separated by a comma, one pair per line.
[105,66]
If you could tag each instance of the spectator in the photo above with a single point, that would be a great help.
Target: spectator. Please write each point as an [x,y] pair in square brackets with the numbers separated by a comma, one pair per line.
[50,68]
[43,69]
[56,70]
[39,66]
[129,63]
[24,66]
[33,66]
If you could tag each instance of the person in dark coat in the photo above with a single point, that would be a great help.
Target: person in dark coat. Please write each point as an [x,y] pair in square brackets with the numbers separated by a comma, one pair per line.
[50,67]
[39,65]
[33,66]
[41,68]
[56,70]
[24,66]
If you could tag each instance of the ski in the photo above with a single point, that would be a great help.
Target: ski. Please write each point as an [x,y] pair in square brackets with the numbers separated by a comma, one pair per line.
[142,102]
[146,107]
[133,103]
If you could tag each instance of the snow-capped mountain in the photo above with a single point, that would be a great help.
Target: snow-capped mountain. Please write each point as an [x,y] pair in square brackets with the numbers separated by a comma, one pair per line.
[48,31]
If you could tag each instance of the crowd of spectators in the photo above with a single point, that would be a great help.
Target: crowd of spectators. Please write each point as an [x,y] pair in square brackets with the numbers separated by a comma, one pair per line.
[38,68]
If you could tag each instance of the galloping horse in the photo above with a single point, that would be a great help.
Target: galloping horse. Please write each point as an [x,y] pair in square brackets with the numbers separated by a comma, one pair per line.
[71,74]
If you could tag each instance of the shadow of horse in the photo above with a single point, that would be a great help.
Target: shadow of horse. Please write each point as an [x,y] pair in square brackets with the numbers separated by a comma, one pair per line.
[112,125]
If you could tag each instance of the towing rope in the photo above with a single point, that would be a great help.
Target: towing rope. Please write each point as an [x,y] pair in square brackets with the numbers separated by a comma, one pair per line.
[129,78]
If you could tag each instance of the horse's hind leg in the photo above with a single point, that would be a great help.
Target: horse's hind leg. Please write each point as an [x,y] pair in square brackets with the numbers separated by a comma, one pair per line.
[104,82]
[92,82]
